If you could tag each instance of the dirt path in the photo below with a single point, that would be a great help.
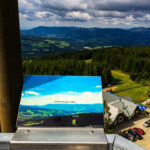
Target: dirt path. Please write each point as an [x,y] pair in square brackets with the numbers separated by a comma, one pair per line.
[119,72]
[112,88]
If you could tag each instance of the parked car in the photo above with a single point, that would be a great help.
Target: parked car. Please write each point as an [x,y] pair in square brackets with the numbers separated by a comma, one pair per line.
[128,136]
[133,132]
[139,130]
[147,123]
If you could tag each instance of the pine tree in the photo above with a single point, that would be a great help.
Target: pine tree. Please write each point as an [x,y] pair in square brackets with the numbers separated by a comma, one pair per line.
[107,119]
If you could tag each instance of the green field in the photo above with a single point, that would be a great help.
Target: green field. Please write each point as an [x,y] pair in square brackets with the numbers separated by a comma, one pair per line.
[32,46]
[88,60]
[126,86]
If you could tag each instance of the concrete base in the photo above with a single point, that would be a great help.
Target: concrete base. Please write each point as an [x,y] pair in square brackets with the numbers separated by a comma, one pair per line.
[59,139]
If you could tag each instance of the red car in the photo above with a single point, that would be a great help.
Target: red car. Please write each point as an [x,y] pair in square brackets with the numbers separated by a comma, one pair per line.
[139,130]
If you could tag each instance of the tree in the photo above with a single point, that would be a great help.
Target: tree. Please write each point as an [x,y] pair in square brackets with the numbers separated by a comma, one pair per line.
[107,119]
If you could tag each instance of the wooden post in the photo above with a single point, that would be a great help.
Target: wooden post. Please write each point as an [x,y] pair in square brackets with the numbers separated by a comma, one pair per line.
[10,64]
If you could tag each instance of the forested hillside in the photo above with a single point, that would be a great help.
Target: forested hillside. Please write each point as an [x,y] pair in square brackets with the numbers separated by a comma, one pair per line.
[68,67]
[133,60]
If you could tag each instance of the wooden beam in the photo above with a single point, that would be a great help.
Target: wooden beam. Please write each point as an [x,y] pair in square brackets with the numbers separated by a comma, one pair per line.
[10,64]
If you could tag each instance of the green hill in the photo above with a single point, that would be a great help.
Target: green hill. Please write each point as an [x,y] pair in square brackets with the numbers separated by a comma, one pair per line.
[33,46]
[137,91]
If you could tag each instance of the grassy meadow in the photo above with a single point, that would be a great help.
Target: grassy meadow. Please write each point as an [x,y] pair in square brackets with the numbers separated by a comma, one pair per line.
[126,86]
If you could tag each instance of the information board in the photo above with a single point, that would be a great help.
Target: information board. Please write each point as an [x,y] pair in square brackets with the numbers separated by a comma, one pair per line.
[61,101]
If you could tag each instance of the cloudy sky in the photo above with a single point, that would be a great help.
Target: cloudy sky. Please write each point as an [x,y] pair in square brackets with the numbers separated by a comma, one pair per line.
[42,90]
[84,13]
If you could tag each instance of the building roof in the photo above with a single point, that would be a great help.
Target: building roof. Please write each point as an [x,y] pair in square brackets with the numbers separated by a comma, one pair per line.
[123,105]
[131,107]
[109,97]
[127,98]
[114,112]
[117,142]
[126,106]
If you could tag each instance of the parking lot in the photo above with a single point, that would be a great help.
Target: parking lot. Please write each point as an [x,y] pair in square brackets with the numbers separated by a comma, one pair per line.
[137,123]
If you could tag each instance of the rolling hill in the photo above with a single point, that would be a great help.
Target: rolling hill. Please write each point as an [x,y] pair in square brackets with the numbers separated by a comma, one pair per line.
[101,36]
[33,45]
[43,40]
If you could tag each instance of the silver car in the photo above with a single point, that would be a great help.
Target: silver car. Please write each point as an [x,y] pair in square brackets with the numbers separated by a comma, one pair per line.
[147,123]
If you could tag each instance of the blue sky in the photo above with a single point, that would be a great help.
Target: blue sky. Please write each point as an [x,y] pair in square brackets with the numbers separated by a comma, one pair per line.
[84,13]
[62,84]
[42,90]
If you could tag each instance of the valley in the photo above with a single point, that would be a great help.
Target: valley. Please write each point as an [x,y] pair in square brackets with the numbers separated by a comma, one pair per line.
[43,40]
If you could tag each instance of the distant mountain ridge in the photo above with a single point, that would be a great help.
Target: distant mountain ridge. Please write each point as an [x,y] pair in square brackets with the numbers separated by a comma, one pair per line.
[139,29]
[95,108]
[95,36]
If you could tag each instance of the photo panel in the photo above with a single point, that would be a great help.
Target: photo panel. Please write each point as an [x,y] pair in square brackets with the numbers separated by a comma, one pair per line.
[61,101]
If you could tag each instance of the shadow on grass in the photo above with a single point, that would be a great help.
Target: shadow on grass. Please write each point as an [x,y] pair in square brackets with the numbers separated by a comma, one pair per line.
[111,84]
[126,89]
[117,81]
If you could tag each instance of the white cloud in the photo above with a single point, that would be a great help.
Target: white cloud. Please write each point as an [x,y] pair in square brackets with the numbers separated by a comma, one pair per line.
[96,13]
[78,15]
[57,22]
[71,92]
[129,18]
[23,15]
[26,5]
[102,13]
[38,1]
[80,98]
[32,93]
[98,86]
[147,16]
[43,14]
[64,4]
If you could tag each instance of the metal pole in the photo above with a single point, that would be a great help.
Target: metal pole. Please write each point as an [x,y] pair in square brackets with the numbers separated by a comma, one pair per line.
[10,64]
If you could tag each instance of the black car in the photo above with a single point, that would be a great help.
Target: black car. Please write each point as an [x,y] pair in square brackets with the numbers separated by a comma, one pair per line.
[128,136]
[136,134]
